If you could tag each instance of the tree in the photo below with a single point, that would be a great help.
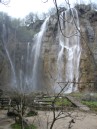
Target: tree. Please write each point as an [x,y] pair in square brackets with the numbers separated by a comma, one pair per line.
[31,18]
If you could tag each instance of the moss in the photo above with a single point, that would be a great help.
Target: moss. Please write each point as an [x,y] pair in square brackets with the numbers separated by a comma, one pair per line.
[18,126]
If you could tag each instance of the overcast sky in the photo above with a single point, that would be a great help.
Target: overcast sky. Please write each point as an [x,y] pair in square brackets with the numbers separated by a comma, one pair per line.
[21,8]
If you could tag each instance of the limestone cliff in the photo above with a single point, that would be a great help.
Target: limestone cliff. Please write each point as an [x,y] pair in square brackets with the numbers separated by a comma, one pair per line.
[47,67]
[88,40]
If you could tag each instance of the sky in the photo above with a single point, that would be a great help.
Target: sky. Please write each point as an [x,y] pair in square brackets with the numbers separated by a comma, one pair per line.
[21,8]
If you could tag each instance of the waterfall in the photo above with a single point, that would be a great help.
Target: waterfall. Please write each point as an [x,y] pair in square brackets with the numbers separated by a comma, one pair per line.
[69,41]
[27,67]
[20,69]
[4,38]
[38,44]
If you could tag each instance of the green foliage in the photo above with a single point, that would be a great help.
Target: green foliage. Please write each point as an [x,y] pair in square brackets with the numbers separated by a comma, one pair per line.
[87,99]
[18,126]
[59,101]
[63,102]
[49,99]
[16,29]
[92,105]
[78,96]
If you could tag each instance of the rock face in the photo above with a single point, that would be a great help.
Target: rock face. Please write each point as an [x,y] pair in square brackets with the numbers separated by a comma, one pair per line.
[50,49]
[49,53]
[88,61]
[4,70]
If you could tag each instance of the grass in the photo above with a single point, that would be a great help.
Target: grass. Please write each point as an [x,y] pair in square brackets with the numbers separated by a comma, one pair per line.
[49,99]
[59,101]
[18,126]
[81,97]
[77,95]
[63,102]
[91,104]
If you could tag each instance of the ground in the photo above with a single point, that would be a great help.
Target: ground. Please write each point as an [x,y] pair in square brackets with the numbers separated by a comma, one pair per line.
[5,121]
[83,120]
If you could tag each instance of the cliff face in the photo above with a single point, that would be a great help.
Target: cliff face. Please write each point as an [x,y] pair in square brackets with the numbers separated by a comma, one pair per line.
[47,67]
[4,70]
[49,52]
[88,70]
[88,41]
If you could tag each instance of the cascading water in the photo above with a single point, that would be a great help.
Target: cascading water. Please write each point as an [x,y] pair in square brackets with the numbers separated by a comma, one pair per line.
[38,44]
[20,68]
[4,38]
[24,73]
[69,40]
[26,70]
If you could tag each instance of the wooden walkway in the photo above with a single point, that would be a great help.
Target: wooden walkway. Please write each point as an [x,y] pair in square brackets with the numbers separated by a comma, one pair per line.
[77,103]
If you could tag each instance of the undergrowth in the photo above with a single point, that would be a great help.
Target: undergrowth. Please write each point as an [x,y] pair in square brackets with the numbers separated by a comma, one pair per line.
[18,126]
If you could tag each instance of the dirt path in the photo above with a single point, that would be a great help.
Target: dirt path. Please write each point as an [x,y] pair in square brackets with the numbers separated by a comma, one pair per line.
[5,122]
[82,120]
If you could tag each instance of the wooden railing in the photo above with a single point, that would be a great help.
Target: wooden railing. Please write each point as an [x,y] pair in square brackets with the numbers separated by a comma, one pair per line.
[4,102]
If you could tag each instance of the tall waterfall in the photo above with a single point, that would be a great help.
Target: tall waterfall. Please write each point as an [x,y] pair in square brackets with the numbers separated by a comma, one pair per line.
[38,43]
[27,64]
[69,55]
[5,43]
[24,66]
